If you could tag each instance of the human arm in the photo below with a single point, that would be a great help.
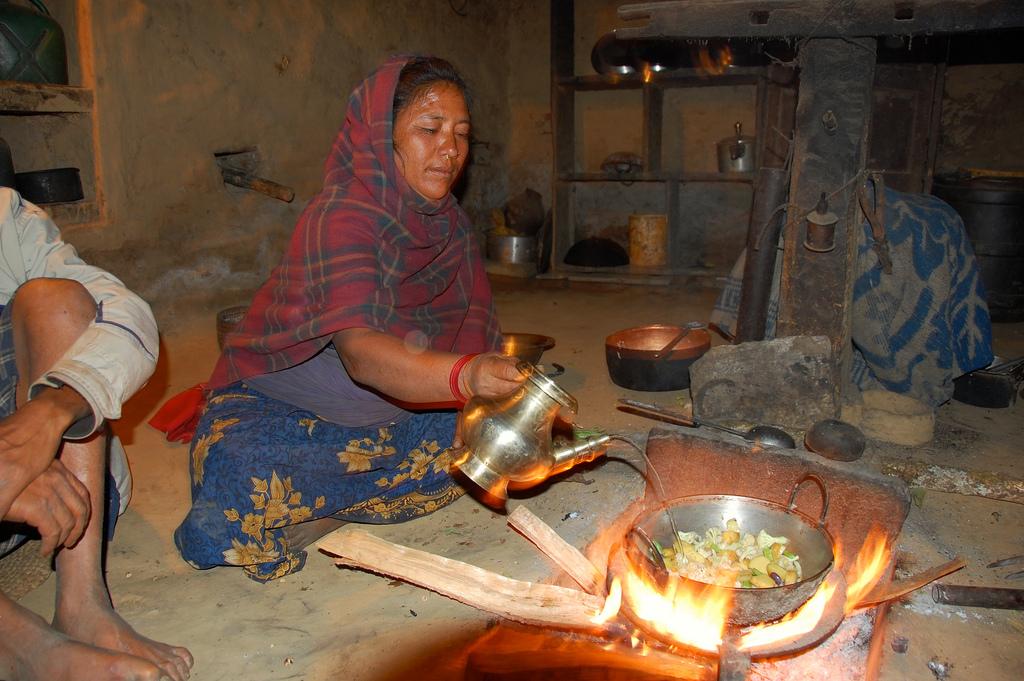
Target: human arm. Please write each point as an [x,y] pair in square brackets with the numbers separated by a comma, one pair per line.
[29,440]
[117,353]
[419,376]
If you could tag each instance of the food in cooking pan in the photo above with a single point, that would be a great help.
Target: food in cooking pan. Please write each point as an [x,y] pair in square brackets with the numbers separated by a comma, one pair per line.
[734,558]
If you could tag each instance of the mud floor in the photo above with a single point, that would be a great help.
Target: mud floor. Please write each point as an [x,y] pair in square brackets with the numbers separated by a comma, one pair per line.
[330,623]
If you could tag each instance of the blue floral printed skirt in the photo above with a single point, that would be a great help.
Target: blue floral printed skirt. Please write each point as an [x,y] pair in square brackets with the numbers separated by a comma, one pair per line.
[259,465]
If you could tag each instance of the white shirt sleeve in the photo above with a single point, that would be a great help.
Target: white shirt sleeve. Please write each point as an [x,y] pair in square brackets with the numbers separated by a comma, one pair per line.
[116,355]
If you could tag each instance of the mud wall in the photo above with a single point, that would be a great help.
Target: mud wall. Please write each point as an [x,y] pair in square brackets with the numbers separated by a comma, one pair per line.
[178,81]
[982,107]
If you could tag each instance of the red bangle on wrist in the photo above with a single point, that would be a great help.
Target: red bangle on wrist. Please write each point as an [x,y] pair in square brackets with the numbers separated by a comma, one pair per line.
[455,373]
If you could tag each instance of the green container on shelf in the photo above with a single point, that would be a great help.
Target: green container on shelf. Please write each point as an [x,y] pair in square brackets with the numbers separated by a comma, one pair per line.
[32,46]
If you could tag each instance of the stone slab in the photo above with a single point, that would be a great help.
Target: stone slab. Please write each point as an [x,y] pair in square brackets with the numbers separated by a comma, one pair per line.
[785,382]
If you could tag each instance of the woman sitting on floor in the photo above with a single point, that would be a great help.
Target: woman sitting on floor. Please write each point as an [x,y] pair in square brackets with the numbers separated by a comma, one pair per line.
[317,411]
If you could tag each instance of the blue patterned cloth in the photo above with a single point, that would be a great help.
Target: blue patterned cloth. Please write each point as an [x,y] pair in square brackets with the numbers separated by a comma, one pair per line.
[914,330]
[259,465]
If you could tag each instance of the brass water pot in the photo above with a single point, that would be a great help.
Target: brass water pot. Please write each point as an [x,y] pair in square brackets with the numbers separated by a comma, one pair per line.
[508,439]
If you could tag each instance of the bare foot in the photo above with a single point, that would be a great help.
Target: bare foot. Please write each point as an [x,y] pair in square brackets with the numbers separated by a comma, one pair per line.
[100,626]
[301,535]
[30,650]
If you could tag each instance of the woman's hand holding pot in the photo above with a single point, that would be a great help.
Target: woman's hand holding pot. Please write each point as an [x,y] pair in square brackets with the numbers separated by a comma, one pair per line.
[490,375]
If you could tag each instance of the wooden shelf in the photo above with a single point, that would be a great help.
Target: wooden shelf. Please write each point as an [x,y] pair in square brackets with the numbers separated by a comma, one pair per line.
[682,78]
[43,98]
[742,178]
[74,213]
[650,92]
[625,274]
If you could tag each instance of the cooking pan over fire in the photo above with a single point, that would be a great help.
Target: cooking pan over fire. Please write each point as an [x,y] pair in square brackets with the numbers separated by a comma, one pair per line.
[806,538]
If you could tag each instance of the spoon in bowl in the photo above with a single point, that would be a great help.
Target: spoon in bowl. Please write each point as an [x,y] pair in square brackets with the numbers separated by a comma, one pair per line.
[667,350]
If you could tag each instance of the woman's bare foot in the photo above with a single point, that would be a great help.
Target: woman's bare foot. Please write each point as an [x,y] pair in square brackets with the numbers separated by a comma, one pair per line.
[97,624]
[30,650]
[301,535]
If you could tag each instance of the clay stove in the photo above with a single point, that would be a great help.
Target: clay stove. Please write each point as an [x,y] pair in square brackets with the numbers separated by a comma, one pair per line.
[862,504]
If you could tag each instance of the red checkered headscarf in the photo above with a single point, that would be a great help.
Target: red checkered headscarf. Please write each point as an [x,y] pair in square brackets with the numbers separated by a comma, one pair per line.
[367,252]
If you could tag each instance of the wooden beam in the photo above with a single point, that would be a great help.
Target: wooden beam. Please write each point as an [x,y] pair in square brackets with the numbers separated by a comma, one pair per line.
[654,98]
[818,18]
[16,96]
[681,78]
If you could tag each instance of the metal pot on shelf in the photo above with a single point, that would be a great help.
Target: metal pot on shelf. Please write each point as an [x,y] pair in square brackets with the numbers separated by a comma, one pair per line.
[736,153]
[512,249]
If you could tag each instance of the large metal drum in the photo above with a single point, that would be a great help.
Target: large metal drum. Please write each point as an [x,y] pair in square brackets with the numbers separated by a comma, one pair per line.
[993,212]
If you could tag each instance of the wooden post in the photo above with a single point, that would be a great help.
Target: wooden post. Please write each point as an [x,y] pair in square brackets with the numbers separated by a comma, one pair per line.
[832,123]
[563,115]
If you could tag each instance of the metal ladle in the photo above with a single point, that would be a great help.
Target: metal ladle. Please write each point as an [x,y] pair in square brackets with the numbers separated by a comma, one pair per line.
[765,436]
[667,350]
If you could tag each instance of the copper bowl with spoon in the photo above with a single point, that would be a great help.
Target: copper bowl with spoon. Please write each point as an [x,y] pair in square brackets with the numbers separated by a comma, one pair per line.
[655,357]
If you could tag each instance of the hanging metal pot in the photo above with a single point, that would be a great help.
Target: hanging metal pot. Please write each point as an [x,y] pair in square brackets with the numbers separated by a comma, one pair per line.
[736,153]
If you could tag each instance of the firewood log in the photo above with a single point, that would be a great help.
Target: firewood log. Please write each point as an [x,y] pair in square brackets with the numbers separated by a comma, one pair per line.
[526,602]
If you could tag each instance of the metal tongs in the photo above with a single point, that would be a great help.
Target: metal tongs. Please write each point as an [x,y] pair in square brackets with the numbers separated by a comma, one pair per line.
[984,596]
[1006,562]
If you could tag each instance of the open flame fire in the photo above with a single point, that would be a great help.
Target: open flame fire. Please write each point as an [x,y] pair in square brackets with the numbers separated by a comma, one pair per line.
[694,614]
[867,569]
[712,60]
[684,611]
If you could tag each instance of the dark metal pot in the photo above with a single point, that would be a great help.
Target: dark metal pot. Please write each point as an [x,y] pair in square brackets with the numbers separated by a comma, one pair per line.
[513,249]
[634,361]
[808,538]
[993,212]
[613,56]
[58,185]
[7,174]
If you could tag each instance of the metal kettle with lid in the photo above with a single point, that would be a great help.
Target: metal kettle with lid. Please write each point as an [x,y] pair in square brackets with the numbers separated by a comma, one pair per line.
[736,153]
[508,439]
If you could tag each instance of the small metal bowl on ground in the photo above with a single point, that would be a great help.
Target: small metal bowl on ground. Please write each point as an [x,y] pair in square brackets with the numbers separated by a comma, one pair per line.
[228,320]
[526,346]
[638,359]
